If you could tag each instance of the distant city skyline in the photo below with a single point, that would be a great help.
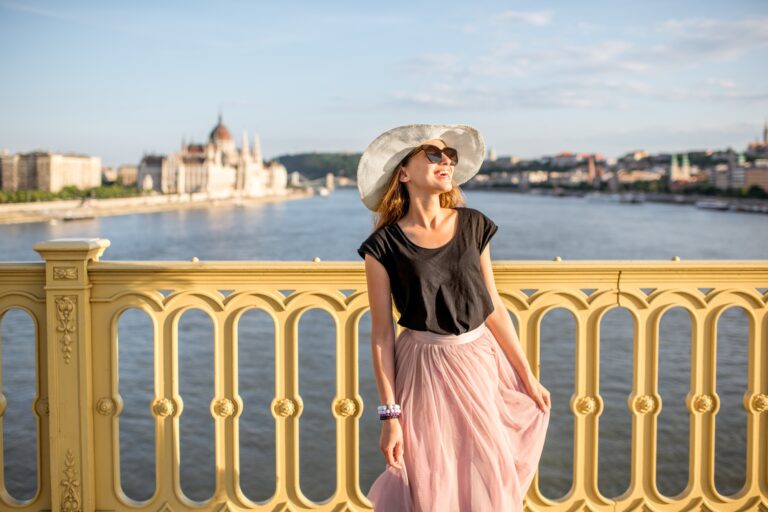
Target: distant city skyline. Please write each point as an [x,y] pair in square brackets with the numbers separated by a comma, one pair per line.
[537,78]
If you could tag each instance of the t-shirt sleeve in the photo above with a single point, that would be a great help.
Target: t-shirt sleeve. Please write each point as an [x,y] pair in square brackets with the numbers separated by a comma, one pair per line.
[374,246]
[486,229]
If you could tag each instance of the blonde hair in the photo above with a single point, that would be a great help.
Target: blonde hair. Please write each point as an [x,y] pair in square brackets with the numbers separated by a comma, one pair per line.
[395,201]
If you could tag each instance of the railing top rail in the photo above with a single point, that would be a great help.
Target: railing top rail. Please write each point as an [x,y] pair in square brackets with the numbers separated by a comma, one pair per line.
[523,273]
[527,274]
[13,266]
[572,264]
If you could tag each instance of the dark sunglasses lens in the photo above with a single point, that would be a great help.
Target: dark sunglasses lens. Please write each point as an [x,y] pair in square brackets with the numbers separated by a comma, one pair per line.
[433,153]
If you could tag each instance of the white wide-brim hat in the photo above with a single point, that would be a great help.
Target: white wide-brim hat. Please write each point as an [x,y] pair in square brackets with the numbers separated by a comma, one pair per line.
[388,149]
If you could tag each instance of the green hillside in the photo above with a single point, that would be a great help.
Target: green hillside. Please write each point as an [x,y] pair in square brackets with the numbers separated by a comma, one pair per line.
[316,165]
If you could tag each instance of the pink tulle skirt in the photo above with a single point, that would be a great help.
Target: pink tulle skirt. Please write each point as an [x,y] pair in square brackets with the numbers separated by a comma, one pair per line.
[472,436]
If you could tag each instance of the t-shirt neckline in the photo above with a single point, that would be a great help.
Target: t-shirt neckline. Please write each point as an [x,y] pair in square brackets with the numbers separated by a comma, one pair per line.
[446,244]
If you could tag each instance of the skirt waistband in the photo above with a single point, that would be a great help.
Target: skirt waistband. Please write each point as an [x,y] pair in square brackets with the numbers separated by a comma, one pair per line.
[447,339]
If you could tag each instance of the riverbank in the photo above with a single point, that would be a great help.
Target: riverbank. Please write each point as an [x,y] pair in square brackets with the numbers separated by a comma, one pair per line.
[739,204]
[59,211]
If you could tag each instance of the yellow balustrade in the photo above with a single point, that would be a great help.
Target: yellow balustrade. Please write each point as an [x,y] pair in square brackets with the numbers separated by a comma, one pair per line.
[75,301]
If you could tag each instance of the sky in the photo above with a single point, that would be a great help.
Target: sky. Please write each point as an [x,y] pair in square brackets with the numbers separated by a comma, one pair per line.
[122,79]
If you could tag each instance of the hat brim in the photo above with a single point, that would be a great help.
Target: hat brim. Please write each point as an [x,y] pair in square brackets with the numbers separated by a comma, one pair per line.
[388,149]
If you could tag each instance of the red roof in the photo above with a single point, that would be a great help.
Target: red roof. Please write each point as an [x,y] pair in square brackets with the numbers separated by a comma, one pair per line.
[220,132]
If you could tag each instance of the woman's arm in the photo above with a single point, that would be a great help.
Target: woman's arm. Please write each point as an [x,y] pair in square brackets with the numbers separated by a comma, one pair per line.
[383,350]
[500,323]
[382,331]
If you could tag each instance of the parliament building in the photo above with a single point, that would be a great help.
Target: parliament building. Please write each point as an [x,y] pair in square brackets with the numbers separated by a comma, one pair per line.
[216,168]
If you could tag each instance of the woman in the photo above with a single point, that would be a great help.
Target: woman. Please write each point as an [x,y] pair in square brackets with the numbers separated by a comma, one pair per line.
[463,417]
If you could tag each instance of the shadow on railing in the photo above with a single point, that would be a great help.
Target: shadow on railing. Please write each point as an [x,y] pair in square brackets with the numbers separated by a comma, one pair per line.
[75,302]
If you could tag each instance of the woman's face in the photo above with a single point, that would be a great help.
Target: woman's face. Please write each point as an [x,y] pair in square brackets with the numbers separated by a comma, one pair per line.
[427,177]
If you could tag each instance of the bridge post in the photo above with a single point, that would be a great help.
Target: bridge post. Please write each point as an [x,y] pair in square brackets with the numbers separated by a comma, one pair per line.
[68,346]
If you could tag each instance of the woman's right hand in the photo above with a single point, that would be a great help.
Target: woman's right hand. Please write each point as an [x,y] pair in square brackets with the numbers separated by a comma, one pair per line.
[391,442]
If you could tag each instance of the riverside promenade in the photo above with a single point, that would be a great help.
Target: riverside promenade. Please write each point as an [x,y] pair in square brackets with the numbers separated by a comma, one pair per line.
[75,300]
[43,211]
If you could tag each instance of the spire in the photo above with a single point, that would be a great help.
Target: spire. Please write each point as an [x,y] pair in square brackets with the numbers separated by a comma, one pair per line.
[674,168]
[765,132]
[256,149]
[244,150]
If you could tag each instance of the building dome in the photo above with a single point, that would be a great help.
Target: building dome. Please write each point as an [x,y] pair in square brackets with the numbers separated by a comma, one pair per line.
[219,132]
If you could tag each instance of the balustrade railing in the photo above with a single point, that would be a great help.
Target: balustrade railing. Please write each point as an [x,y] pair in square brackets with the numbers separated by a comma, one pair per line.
[75,301]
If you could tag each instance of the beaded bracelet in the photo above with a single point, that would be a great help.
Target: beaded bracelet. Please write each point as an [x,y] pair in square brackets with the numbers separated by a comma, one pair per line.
[389,411]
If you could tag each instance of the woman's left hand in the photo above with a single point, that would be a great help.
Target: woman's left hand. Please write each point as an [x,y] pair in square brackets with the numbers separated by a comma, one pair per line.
[538,392]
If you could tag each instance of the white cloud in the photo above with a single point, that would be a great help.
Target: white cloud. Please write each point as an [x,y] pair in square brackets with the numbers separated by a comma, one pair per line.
[692,42]
[535,18]
[427,99]
[616,94]
[697,38]
[723,84]
[431,62]
[619,74]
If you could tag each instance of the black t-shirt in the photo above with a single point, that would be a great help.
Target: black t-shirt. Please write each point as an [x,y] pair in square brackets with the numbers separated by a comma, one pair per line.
[440,289]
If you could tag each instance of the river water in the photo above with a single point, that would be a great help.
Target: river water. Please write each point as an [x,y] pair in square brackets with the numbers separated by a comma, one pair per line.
[531,227]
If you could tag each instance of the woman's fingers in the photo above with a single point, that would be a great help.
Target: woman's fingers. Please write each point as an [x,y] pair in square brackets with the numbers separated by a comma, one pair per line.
[399,453]
[391,445]
[540,400]
[546,397]
[394,454]
[390,455]
[536,396]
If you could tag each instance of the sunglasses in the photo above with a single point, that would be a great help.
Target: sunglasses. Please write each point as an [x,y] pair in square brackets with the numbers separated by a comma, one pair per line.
[435,154]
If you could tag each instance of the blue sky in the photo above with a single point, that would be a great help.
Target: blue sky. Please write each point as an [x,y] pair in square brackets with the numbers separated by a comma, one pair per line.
[118,79]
